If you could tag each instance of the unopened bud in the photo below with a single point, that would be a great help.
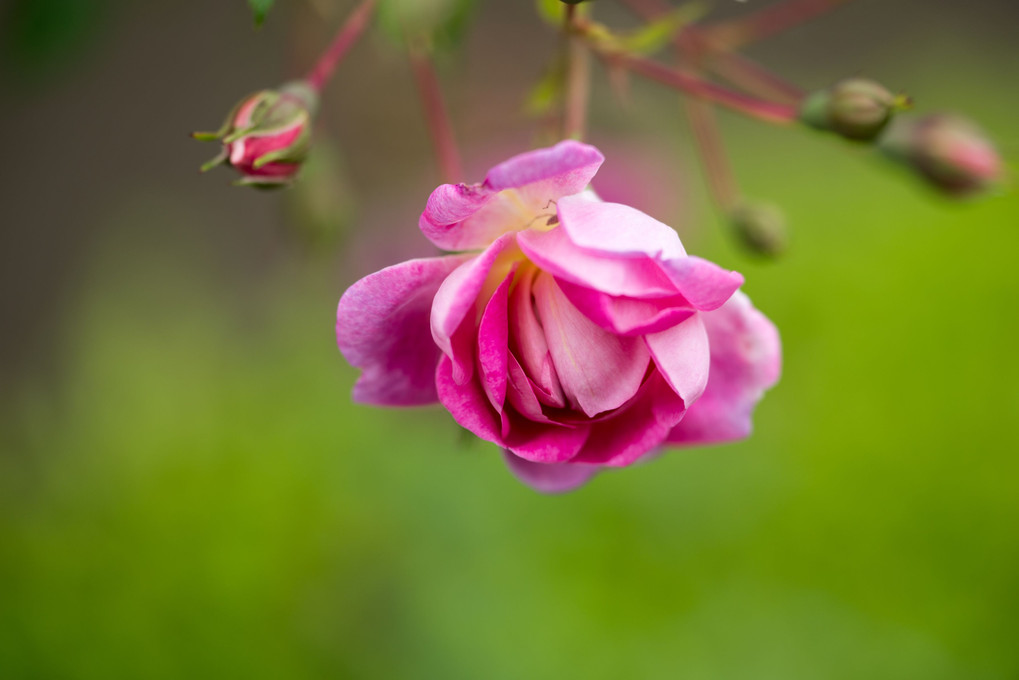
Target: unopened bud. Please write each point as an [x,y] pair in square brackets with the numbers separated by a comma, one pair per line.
[267,135]
[855,108]
[760,227]
[951,152]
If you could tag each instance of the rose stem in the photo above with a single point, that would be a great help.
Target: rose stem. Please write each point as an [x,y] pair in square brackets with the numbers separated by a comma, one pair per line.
[345,38]
[437,117]
[768,21]
[734,67]
[578,78]
[711,150]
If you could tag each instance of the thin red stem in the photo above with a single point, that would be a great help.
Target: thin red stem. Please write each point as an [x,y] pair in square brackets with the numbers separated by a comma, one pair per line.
[698,87]
[345,38]
[711,150]
[437,117]
[578,79]
[770,20]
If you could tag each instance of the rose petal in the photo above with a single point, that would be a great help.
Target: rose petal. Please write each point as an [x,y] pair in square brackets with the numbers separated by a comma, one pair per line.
[616,230]
[627,316]
[493,344]
[469,217]
[683,357]
[598,371]
[746,359]
[549,477]
[706,285]
[641,426]
[382,327]
[528,343]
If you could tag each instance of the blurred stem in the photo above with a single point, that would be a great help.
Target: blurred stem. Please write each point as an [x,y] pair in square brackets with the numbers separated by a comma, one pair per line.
[711,150]
[345,38]
[437,117]
[696,86]
[767,22]
[732,66]
[578,78]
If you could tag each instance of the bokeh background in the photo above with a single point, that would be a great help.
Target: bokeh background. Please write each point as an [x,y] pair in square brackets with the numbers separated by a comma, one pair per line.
[186,489]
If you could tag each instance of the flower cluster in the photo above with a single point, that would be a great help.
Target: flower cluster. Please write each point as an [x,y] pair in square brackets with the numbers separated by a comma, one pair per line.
[574,333]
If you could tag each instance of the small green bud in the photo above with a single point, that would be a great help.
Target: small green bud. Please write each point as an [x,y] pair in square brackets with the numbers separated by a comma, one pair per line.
[855,108]
[949,151]
[760,228]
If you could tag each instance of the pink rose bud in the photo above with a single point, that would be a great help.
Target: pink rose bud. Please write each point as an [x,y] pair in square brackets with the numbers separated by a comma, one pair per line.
[855,108]
[760,228]
[951,152]
[267,136]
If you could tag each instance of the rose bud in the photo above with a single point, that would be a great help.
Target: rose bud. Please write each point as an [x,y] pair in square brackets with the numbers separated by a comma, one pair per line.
[267,135]
[951,152]
[760,227]
[855,108]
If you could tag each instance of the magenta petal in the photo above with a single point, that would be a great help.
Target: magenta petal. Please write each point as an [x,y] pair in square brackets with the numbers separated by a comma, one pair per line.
[639,428]
[544,443]
[636,277]
[616,230]
[683,357]
[455,301]
[704,284]
[467,404]
[469,217]
[549,477]
[382,327]
[746,359]
[493,348]
[598,370]
[627,316]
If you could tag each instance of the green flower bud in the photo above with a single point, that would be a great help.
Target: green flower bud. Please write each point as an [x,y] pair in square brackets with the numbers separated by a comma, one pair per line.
[760,228]
[855,108]
[948,151]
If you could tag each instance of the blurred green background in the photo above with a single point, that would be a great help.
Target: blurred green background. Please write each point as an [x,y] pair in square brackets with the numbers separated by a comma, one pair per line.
[187,491]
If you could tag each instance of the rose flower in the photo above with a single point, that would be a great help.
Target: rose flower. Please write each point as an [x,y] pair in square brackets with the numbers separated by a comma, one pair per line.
[575,334]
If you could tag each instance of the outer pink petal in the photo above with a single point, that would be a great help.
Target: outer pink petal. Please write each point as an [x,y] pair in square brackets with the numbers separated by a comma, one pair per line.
[616,230]
[683,357]
[637,429]
[455,301]
[382,328]
[598,370]
[549,477]
[493,347]
[627,316]
[469,217]
[746,359]
[706,285]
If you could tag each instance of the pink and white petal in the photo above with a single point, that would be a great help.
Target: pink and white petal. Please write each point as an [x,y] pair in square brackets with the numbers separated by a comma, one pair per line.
[467,404]
[704,284]
[493,344]
[469,217]
[455,303]
[638,429]
[382,327]
[683,357]
[598,370]
[746,360]
[616,230]
[549,477]
[527,341]
[636,277]
[521,394]
[627,316]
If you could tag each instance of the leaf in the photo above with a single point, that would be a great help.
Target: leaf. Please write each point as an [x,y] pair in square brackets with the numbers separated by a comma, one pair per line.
[657,34]
[260,8]
[548,91]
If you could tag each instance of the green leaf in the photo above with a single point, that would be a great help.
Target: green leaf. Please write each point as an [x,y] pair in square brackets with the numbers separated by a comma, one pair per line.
[260,8]
[657,34]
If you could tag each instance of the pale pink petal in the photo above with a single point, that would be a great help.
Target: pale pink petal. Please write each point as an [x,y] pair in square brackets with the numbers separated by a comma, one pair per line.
[746,359]
[554,252]
[683,357]
[549,477]
[627,316]
[704,284]
[617,230]
[521,394]
[455,303]
[469,217]
[598,370]
[637,429]
[382,327]
[493,348]
[527,341]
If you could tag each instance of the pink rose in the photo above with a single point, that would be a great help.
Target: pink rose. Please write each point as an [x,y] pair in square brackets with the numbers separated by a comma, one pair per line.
[573,333]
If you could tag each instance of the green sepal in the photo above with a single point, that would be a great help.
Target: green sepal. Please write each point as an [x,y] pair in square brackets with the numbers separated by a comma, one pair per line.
[263,182]
[218,160]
